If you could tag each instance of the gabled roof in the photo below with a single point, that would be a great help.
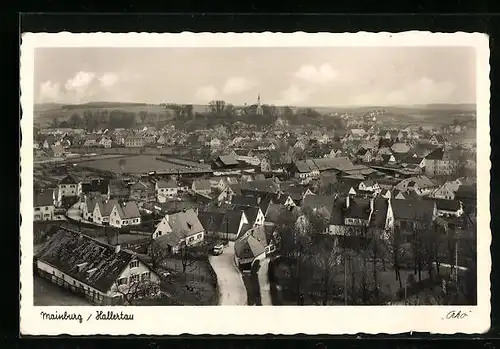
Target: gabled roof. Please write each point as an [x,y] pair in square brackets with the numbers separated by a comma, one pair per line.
[358,208]
[323,202]
[212,221]
[263,186]
[400,148]
[413,160]
[105,206]
[436,154]
[69,179]
[447,205]
[201,184]
[251,213]
[166,184]
[412,209]
[118,188]
[186,223]
[248,247]
[68,250]
[43,198]
[245,201]
[128,210]
[379,215]
[228,160]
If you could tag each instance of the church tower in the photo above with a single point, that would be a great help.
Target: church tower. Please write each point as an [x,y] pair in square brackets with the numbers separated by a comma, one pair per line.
[259,110]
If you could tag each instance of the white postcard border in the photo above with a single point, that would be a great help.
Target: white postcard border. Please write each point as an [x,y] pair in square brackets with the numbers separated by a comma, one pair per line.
[258,320]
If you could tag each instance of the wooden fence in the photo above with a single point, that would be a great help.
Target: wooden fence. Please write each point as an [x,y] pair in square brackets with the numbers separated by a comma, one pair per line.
[91,296]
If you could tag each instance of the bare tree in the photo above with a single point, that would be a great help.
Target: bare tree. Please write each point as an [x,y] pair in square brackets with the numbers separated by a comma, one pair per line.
[137,290]
[157,253]
[326,259]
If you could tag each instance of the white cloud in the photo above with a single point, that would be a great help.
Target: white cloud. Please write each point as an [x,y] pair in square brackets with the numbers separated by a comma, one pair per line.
[108,79]
[295,95]
[237,85]
[421,91]
[320,75]
[206,93]
[49,92]
[80,82]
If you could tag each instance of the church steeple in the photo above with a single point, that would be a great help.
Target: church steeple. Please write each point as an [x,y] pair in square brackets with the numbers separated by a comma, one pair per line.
[259,110]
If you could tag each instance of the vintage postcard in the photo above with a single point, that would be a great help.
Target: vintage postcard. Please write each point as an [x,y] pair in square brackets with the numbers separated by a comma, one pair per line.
[222,183]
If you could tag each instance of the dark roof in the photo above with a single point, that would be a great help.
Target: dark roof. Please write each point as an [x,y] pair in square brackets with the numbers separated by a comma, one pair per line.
[201,184]
[412,209]
[228,160]
[44,198]
[248,247]
[447,205]
[262,186]
[379,214]
[245,201]
[231,221]
[212,221]
[467,192]
[251,213]
[414,160]
[174,206]
[118,188]
[67,250]
[358,208]
[95,186]
[69,179]
[385,143]
[436,154]
[128,210]
[324,202]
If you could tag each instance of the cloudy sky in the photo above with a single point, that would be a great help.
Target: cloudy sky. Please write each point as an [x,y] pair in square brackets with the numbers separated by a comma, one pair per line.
[283,76]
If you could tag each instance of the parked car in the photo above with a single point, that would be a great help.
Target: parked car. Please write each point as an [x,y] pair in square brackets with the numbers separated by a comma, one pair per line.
[218,249]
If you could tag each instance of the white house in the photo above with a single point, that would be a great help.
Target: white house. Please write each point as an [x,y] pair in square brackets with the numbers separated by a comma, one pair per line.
[44,205]
[166,190]
[105,278]
[178,229]
[67,187]
[124,214]
[102,211]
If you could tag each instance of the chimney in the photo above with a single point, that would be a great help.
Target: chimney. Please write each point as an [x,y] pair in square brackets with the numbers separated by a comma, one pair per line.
[117,248]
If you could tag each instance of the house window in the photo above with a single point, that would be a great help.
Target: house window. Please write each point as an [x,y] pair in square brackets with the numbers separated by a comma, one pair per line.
[134,264]
[159,233]
[46,208]
[134,278]
[199,236]
[247,250]
[191,239]
[145,276]
[37,208]
[122,281]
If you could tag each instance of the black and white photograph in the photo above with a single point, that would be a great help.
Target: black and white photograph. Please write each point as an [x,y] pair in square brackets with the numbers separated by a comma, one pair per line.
[315,176]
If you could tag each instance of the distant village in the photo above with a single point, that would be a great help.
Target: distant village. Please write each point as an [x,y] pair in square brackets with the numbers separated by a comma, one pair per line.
[369,214]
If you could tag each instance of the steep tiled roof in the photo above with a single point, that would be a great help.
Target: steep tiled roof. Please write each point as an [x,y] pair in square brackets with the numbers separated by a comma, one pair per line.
[248,247]
[412,209]
[447,205]
[245,201]
[436,154]
[43,198]
[166,184]
[69,179]
[212,221]
[105,206]
[67,251]
[128,210]
[358,208]
[201,185]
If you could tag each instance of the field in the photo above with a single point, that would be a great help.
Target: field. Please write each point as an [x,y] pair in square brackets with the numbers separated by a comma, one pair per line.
[45,293]
[133,164]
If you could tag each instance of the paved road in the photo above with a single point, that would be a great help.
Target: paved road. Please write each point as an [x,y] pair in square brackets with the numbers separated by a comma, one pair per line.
[265,289]
[231,288]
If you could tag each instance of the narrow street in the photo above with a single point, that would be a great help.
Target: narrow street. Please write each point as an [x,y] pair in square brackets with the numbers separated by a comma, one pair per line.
[265,289]
[231,288]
